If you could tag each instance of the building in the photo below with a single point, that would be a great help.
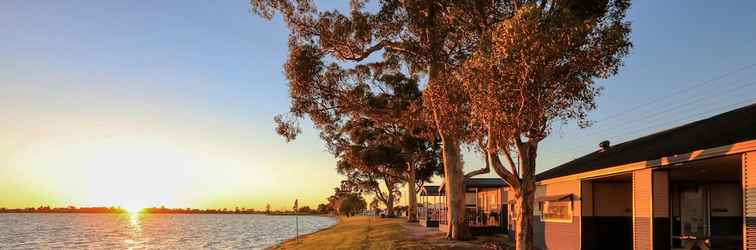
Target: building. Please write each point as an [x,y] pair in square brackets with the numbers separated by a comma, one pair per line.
[687,186]
[430,206]
[486,204]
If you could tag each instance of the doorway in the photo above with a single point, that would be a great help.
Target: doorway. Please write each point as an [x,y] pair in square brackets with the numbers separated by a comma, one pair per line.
[607,212]
[706,204]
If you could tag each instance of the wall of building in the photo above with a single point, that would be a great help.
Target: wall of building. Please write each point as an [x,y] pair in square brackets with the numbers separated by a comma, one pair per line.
[726,210]
[726,200]
[489,205]
[559,235]
[613,199]
[470,199]
[507,196]
[607,215]
[489,199]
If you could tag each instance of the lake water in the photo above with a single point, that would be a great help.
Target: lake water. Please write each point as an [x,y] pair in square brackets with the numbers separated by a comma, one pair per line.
[151,231]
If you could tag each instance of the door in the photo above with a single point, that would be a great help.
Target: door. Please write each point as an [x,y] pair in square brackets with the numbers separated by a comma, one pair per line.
[693,216]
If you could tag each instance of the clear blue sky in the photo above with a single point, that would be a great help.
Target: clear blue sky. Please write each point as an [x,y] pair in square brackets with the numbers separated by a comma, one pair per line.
[203,79]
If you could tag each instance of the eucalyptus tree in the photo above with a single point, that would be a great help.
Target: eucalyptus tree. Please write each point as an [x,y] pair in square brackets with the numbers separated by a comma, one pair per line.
[386,141]
[330,52]
[422,160]
[366,161]
[345,201]
[396,112]
[539,68]
[352,204]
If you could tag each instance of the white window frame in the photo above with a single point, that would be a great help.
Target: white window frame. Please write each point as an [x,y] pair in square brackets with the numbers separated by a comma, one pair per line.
[544,205]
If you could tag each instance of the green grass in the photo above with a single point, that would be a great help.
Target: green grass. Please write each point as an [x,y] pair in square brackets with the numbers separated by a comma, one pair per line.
[360,232]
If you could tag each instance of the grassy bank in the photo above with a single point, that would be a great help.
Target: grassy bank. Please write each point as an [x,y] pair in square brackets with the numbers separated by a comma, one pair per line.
[363,232]
[359,232]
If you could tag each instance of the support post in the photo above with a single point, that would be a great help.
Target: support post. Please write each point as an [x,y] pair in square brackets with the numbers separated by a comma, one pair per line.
[661,219]
[643,209]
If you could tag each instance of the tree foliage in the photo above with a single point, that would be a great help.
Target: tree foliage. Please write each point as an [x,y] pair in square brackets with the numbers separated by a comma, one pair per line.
[538,68]
[329,54]
[497,74]
[344,202]
[324,208]
[382,143]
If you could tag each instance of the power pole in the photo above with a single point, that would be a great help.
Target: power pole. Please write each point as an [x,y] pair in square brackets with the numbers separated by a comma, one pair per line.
[296,219]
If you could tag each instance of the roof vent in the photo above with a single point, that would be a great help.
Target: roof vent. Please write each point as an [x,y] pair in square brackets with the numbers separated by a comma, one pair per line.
[604,145]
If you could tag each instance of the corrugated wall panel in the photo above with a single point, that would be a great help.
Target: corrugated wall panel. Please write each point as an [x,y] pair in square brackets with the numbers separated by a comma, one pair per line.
[642,210]
[749,200]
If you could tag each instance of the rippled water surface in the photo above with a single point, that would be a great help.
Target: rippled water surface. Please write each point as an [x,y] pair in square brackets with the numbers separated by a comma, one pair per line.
[151,231]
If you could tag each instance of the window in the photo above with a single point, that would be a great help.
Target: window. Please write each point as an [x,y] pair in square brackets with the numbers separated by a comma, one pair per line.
[556,211]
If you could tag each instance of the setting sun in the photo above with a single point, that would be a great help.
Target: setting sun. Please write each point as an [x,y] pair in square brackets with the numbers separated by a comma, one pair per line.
[133,209]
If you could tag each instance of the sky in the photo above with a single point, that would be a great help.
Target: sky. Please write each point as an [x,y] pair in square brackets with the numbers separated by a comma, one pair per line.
[136,104]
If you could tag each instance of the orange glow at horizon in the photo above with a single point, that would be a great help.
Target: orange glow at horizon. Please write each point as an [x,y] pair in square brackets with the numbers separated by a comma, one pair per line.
[140,171]
[134,148]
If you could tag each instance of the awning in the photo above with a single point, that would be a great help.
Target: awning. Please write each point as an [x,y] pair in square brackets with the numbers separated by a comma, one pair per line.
[478,183]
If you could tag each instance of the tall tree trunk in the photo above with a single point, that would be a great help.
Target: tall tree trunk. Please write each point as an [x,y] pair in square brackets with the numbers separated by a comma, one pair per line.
[390,200]
[525,199]
[412,207]
[454,179]
[524,219]
[390,205]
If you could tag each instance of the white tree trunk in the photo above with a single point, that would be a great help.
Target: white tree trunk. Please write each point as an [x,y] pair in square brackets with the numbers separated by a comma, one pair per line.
[525,199]
[412,207]
[455,190]
[390,200]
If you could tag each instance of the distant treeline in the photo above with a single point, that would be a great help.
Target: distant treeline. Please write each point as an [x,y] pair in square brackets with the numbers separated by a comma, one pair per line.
[163,210]
[69,209]
[153,210]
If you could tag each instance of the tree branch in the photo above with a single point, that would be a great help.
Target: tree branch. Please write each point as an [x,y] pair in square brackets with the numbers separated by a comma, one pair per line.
[352,55]
[507,175]
[520,151]
[512,165]
[419,186]
[484,170]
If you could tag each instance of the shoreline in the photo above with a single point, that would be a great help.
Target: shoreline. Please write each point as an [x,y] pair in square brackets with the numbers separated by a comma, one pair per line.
[302,236]
[126,212]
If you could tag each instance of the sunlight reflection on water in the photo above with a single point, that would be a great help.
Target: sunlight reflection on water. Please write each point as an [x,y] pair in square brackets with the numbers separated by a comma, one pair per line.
[134,219]
[147,231]
[136,228]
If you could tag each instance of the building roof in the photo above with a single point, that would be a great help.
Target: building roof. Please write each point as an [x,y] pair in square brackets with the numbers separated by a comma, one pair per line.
[484,182]
[724,129]
[479,183]
[430,191]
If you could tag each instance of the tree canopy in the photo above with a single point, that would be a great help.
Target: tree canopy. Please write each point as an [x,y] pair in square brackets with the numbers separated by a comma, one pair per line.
[496,74]
[538,68]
